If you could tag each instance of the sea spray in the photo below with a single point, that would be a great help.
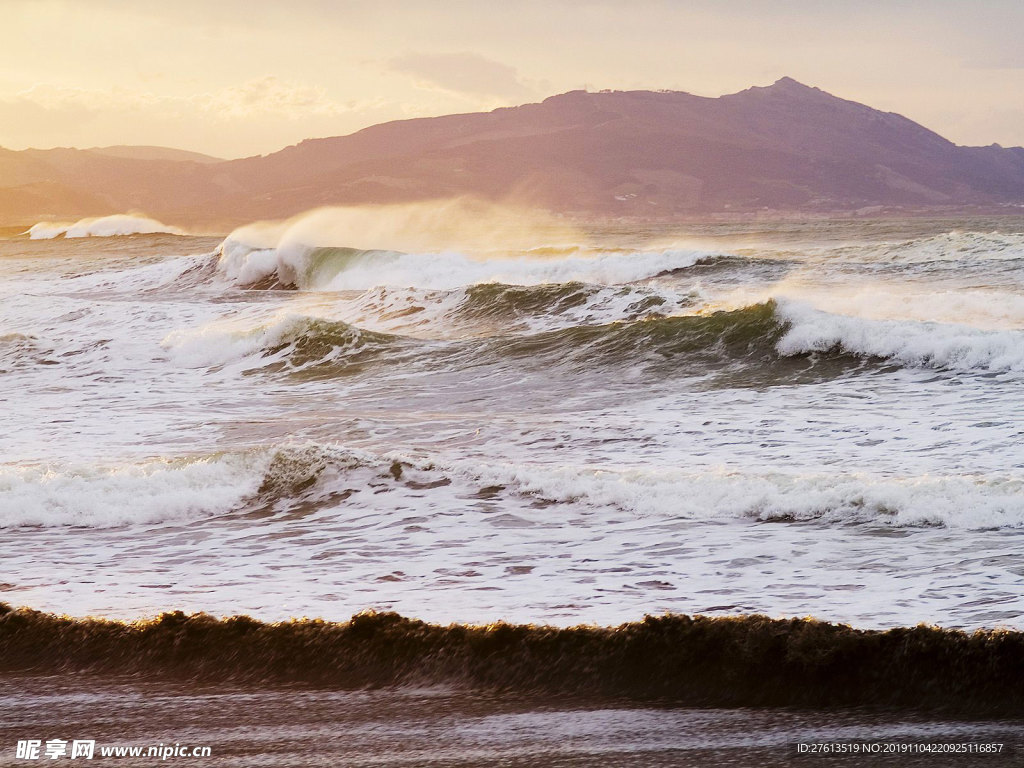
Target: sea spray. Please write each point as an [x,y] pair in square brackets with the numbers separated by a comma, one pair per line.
[102,226]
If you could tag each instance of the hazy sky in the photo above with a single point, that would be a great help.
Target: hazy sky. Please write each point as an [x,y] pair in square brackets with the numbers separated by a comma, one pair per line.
[235,78]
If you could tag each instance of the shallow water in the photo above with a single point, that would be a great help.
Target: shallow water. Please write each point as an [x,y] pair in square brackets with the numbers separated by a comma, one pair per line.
[445,727]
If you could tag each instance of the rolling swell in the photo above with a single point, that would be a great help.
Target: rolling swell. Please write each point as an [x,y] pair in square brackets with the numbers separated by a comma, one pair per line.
[735,348]
[767,342]
[313,342]
[574,301]
[743,339]
[288,344]
[744,334]
[678,659]
[693,343]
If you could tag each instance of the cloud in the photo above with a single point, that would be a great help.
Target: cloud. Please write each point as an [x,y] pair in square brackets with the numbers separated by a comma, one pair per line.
[249,117]
[268,96]
[467,74]
[271,96]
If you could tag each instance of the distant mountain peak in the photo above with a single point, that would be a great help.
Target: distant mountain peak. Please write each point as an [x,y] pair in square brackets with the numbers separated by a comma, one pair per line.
[788,82]
[785,147]
[148,152]
[787,86]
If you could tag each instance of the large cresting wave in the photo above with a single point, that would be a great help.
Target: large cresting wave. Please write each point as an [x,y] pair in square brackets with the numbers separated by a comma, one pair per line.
[324,268]
[431,245]
[102,226]
[758,338]
[906,342]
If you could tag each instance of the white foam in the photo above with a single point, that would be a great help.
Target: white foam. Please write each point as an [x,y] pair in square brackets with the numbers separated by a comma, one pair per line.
[984,309]
[955,245]
[223,342]
[444,271]
[103,496]
[913,343]
[457,314]
[448,271]
[102,226]
[971,502]
[46,230]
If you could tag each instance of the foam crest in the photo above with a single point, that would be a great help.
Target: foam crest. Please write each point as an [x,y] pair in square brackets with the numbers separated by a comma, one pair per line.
[439,246]
[169,490]
[301,339]
[344,269]
[103,226]
[953,501]
[908,342]
[956,245]
[147,492]
[981,308]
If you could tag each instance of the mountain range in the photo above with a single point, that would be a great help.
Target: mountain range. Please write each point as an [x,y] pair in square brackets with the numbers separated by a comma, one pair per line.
[784,147]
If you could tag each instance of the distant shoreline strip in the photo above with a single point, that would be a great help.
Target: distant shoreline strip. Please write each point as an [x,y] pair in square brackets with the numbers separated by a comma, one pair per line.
[743,661]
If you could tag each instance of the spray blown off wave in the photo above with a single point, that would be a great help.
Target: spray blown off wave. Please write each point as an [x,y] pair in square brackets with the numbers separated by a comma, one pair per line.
[348,269]
[460,224]
[984,309]
[441,245]
[104,226]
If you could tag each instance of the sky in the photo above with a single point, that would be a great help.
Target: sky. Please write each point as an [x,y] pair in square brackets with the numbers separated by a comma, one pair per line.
[233,79]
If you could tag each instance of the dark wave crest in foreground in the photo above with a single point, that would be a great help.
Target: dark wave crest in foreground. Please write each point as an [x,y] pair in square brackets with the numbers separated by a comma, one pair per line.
[691,661]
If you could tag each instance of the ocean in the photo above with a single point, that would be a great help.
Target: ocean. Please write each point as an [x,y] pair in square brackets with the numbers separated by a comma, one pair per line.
[475,421]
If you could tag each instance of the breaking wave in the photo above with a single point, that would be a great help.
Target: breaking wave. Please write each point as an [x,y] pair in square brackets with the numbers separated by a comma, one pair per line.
[296,342]
[349,269]
[496,308]
[148,492]
[909,343]
[321,476]
[952,502]
[102,226]
[755,337]
[172,489]
[288,342]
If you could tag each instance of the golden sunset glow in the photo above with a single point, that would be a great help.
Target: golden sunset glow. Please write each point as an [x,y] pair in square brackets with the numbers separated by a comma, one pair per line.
[233,78]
